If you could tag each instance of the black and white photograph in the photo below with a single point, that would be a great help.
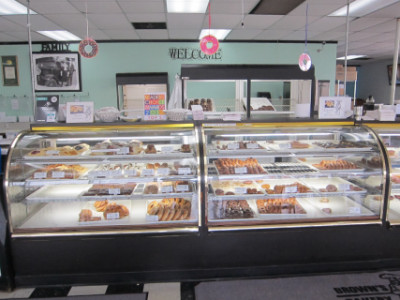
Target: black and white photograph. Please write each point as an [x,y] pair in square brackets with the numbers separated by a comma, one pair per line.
[390,70]
[57,72]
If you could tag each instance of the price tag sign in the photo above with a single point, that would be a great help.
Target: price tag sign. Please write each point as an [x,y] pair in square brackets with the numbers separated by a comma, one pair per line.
[52,152]
[40,175]
[115,191]
[58,174]
[242,170]
[290,189]
[233,146]
[167,149]
[112,216]
[284,146]
[240,190]
[252,146]
[151,218]
[148,172]
[167,189]
[123,150]
[182,188]
[355,210]
[184,171]
[163,171]
[344,187]
[131,172]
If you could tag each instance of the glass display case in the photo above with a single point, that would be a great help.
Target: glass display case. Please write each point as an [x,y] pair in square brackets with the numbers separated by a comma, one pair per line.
[390,136]
[291,175]
[112,178]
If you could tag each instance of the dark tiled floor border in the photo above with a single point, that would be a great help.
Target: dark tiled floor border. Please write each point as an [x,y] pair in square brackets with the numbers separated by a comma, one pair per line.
[187,290]
[45,292]
[124,288]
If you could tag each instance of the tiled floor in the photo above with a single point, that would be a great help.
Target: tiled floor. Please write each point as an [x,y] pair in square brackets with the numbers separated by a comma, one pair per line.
[155,291]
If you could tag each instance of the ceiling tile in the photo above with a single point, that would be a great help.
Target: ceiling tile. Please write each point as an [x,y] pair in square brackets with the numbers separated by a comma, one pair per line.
[100,6]
[272,34]
[122,34]
[292,23]
[146,17]
[223,21]
[258,21]
[232,6]
[391,11]
[8,26]
[70,21]
[241,34]
[328,36]
[138,7]
[315,9]
[52,7]
[191,21]
[179,34]
[11,38]
[109,21]
[155,34]
[326,23]
[38,22]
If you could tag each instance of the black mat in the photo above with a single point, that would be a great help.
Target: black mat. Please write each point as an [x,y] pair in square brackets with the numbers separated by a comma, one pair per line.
[142,296]
[383,285]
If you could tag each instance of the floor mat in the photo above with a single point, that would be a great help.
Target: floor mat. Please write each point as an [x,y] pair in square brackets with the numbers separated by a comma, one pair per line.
[383,285]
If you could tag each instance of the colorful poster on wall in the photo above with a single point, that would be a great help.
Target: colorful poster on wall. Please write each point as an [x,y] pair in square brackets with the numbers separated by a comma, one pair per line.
[154,106]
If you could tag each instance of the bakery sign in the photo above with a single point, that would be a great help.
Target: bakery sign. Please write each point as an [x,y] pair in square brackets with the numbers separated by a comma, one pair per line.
[193,54]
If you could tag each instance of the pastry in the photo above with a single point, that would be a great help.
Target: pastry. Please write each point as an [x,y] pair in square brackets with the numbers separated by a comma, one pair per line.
[101,205]
[279,206]
[135,147]
[115,211]
[86,215]
[68,151]
[185,148]
[338,164]
[153,207]
[170,209]
[82,148]
[150,149]
[151,188]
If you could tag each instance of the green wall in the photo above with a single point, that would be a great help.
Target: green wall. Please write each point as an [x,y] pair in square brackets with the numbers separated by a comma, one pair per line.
[98,73]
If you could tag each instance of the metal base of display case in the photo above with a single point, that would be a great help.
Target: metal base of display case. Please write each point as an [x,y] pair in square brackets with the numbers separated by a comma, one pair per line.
[116,259]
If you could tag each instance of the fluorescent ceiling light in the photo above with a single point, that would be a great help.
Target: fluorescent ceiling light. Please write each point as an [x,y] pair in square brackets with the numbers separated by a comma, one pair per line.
[360,8]
[12,7]
[187,6]
[349,57]
[220,34]
[60,35]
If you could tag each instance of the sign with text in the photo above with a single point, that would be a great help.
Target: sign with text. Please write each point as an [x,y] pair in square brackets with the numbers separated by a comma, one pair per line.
[154,106]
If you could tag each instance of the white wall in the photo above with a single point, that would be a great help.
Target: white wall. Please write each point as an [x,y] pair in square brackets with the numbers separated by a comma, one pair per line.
[373,80]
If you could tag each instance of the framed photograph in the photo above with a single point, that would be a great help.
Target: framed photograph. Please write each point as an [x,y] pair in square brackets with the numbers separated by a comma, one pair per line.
[58,72]
[9,68]
[390,70]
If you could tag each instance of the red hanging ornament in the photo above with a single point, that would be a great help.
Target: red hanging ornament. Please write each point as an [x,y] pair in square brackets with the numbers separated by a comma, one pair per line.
[209,44]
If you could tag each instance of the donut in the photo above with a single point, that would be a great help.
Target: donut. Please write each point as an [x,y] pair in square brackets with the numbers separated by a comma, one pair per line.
[101,205]
[153,207]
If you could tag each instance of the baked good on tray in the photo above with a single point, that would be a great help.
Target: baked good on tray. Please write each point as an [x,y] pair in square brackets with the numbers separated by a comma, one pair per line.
[235,209]
[64,171]
[115,211]
[284,188]
[335,164]
[110,189]
[227,166]
[170,209]
[279,206]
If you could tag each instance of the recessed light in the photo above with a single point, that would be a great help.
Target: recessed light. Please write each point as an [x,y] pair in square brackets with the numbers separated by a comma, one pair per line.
[12,7]
[60,35]
[187,6]
[220,34]
[360,8]
[349,57]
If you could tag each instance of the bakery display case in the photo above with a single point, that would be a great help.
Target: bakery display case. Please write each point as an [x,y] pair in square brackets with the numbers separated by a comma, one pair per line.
[143,178]
[260,175]
[390,137]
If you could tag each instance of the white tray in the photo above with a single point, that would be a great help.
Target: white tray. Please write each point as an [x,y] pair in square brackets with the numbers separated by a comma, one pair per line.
[343,186]
[340,206]
[59,192]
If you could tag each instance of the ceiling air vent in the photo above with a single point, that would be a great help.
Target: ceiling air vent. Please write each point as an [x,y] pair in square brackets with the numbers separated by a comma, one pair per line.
[150,25]
[275,7]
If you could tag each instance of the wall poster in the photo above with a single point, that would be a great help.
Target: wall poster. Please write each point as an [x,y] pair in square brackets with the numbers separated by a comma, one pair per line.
[154,106]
